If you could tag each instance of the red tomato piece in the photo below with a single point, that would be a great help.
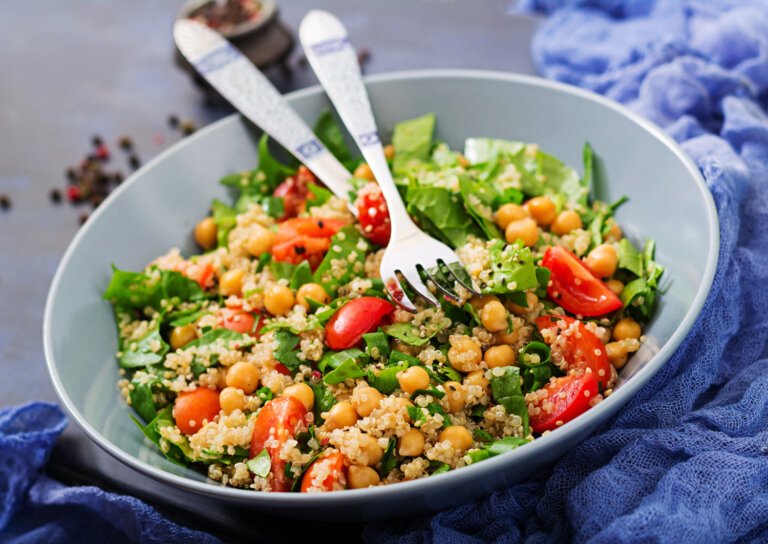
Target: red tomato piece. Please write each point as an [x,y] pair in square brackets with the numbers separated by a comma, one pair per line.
[201,273]
[278,419]
[561,400]
[304,239]
[373,214]
[572,285]
[239,321]
[333,465]
[191,408]
[282,369]
[356,318]
[581,348]
[294,191]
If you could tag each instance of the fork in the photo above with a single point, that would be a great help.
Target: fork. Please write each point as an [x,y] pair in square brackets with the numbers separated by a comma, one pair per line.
[411,253]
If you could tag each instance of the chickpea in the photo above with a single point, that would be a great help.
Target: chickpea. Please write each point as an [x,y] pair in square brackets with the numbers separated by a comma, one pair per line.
[614,233]
[602,260]
[476,378]
[181,336]
[454,396]
[260,241]
[413,379]
[231,282]
[341,415]
[231,399]
[502,355]
[465,354]
[462,160]
[370,451]
[314,291]
[502,337]
[627,328]
[365,400]
[244,376]
[479,302]
[542,210]
[494,316]
[530,299]
[364,172]
[389,152]
[403,404]
[278,299]
[411,444]
[565,222]
[459,437]
[301,392]
[523,229]
[616,286]
[617,353]
[508,213]
[361,476]
[206,232]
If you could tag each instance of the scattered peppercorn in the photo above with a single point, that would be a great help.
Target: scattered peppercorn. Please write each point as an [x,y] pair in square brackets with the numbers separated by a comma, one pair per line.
[134,161]
[83,218]
[55,196]
[5,202]
[97,141]
[187,127]
[363,56]
[173,121]
[71,174]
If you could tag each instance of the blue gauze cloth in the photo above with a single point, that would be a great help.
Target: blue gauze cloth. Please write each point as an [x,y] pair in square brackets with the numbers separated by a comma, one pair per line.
[686,460]
[35,508]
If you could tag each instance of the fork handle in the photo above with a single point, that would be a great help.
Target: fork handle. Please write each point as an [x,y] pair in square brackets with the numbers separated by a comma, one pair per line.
[332,57]
[251,93]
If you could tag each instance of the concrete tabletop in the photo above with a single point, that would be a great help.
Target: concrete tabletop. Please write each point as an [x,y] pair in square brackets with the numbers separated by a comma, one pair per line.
[75,69]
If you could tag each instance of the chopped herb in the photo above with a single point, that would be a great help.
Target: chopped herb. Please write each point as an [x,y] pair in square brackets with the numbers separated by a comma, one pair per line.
[286,351]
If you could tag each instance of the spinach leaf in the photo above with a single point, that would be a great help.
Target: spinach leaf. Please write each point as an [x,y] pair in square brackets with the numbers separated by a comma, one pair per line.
[261,464]
[587,158]
[416,414]
[349,369]
[265,394]
[329,132]
[149,350]
[178,451]
[281,270]
[271,171]
[412,140]
[408,333]
[318,196]
[225,218]
[232,339]
[179,319]
[344,260]
[535,366]
[389,461]
[438,468]
[376,345]
[385,380]
[444,212]
[429,391]
[482,435]
[286,351]
[301,274]
[136,290]
[335,359]
[513,269]
[629,258]
[639,295]
[324,401]
[142,401]
[506,444]
[506,391]
[478,201]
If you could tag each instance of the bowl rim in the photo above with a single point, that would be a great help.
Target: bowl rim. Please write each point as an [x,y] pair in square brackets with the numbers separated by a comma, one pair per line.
[450,479]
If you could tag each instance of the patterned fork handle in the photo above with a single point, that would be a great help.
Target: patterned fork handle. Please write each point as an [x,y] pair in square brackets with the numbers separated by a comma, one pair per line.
[251,93]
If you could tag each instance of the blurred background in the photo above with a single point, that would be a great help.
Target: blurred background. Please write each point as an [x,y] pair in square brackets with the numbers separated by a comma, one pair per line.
[93,89]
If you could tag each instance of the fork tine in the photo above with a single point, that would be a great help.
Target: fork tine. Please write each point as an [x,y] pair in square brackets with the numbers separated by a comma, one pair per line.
[395,290]
[438,278]
[415,283]
[442,264]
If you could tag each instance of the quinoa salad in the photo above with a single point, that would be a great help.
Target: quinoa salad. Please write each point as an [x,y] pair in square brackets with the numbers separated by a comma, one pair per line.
[273,359]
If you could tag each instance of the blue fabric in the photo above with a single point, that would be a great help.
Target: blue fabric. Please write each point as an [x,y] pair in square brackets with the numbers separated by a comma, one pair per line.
[686,460]
[35,508]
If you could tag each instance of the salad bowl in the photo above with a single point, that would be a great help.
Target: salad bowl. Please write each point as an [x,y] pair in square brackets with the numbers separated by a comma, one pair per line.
[158,207]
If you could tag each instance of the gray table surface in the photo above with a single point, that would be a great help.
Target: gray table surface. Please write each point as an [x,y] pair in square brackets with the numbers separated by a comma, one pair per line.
[79,68]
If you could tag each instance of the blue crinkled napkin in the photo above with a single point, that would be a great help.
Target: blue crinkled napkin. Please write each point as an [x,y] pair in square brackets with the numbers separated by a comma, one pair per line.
[686,460]
[35,508]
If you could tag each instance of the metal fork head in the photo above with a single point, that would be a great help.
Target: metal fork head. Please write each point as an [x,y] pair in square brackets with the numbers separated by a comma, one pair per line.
[419,258]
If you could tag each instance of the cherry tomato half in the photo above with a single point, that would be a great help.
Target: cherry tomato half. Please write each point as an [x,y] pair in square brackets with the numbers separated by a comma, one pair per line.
[582,349]
[373,214]
[304,239]
[331,464]
[566,398]
[240,321]
[573,286]
[192,407]
[201,273]
[356,318]
[278,419]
